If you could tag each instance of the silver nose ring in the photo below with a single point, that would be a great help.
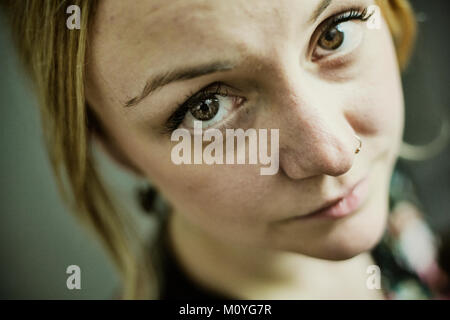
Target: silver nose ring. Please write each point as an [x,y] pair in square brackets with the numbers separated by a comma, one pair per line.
[358,149]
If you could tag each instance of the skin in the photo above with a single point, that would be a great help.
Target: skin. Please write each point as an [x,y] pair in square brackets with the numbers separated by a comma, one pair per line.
[229,223]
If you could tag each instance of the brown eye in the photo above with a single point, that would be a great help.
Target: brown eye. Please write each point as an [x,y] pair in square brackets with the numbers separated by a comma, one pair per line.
[331,39]
[205,110]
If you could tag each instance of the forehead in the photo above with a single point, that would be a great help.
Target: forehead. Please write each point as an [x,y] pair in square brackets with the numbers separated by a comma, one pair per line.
[130,42]
[158,25]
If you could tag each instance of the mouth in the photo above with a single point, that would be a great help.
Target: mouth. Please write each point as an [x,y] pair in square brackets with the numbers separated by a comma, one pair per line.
[342,206]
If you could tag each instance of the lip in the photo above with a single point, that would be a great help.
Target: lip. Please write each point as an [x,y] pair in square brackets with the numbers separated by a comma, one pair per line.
[342,206]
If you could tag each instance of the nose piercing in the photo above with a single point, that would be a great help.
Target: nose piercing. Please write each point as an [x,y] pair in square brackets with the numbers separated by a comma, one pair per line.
[360,145]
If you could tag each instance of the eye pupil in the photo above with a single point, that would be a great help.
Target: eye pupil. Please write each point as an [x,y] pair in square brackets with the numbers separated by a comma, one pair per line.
[331,39]
[206,110]
[204,107]
[330,35]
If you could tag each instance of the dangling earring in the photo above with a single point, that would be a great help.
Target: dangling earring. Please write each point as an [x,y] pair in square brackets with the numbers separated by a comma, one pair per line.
[146,196]
[152,202]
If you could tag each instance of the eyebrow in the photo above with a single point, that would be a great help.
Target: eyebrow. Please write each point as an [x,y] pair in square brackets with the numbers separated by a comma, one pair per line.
[320,9]
[177,75]
[201,70]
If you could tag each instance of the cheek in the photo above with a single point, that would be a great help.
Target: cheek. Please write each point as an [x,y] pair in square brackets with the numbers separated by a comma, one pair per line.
[223,194]
[216,197]
[379,103]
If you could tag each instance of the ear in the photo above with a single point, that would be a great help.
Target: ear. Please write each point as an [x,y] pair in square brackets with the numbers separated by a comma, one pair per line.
[100,137]
[112,150]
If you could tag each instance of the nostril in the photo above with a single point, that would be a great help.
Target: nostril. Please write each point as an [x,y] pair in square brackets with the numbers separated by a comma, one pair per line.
[342,167]
[328,160]
[337,160]
[337,168]
[322,150]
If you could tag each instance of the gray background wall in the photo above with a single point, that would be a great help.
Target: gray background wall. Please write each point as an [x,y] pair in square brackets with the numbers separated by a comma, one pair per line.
[39,238]
[427,95]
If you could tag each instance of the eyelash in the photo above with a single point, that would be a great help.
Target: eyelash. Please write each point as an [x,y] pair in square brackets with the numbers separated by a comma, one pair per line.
[195,98]
[347,15]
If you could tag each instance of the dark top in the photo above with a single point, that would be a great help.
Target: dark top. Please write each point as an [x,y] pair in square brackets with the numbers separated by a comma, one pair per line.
[175,283]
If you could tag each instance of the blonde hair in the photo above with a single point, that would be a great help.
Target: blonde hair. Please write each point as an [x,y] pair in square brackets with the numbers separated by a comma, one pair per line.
[55,58]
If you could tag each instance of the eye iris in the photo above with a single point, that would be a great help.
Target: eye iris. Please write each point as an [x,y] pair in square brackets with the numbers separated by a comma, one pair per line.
[332,39]
[206,110]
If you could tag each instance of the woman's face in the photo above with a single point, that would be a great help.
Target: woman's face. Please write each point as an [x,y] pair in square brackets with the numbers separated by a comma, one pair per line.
[265,65]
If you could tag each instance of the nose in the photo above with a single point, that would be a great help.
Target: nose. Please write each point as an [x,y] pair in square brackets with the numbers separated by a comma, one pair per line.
[316,136]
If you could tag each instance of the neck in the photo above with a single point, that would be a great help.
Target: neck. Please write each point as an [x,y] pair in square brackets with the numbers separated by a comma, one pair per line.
[245,272]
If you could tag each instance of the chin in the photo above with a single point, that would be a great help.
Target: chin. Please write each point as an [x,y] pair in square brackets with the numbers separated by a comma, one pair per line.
[355,235]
